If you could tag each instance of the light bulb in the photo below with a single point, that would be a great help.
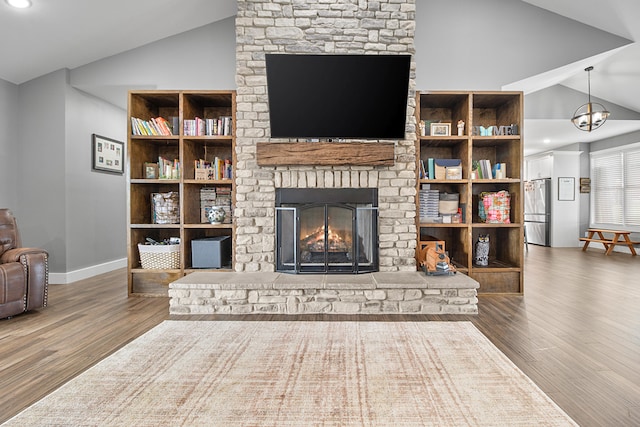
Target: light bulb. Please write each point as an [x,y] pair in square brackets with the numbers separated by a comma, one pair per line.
[20,4]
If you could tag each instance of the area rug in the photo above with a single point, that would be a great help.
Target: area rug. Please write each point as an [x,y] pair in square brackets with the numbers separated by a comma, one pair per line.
[295,373]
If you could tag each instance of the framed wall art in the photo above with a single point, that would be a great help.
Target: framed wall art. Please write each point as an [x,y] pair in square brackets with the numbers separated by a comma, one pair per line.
[107,155]
[566,188]
[585,185]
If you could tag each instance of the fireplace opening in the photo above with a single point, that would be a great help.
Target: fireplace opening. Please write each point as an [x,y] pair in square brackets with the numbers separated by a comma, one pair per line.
[327,230]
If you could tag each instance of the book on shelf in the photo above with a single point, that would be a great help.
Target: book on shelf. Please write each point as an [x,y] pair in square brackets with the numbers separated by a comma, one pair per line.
[423,171]
[482,168]
[153,127]
[220,126]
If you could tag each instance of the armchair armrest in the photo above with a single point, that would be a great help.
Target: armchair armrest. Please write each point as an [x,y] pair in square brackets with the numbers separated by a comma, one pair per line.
[13,255]
[35,263]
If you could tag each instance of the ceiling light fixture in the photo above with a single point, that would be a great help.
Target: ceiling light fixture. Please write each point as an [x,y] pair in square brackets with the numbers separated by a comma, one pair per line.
[20,4]
[590,116]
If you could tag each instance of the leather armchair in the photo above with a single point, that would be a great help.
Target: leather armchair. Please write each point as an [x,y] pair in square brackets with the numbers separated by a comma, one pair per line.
[24,272]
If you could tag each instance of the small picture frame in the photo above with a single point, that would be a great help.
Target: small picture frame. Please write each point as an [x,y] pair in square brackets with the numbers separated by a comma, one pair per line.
[585,185]
[107,155]
[440,129]
[150,170]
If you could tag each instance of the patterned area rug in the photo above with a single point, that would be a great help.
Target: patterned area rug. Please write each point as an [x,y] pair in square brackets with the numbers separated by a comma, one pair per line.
[294,373]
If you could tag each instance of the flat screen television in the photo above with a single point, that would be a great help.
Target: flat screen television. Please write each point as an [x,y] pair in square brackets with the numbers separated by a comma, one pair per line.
[338,96]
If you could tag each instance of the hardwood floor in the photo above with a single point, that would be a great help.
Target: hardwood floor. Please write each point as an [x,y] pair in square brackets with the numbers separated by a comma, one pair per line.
[575,333]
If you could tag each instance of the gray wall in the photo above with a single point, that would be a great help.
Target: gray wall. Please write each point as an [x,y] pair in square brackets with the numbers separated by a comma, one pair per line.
[63,206]
[95,203]
[8,138]
[41,166]
[203,58]
[618,141]
[486,44]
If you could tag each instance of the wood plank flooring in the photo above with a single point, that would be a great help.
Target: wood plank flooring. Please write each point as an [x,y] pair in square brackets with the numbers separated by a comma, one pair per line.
[575,332]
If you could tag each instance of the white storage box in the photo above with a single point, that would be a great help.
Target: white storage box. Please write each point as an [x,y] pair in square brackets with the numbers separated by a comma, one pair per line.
[159,256]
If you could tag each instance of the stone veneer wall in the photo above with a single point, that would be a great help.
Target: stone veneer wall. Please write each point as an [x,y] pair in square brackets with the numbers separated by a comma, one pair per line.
[281,293]
[317,27]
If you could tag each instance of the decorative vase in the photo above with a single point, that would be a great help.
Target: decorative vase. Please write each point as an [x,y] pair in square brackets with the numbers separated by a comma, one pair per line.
[216,215]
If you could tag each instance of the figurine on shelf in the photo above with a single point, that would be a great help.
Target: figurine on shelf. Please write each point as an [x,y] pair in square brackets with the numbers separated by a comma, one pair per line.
[460,127]
[482,250]
[422,126]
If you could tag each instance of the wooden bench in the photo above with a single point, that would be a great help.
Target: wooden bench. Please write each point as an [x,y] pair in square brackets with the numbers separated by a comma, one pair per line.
[609,242]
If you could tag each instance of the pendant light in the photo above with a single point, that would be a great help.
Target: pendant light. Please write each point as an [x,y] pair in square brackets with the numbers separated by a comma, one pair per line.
[591,115]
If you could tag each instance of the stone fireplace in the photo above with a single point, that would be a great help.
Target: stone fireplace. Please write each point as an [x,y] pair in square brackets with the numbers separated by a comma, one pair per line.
[327,230]
[318,27]
[266,195]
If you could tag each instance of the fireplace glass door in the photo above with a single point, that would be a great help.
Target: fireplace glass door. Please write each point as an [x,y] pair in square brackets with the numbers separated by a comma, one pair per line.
[326,231]
[326,239]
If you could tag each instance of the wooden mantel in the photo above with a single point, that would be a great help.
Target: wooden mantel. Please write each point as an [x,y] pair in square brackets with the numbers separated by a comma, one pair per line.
[325,153]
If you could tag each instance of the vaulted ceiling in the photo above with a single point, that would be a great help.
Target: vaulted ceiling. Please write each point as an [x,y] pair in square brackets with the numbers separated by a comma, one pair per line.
[56,34]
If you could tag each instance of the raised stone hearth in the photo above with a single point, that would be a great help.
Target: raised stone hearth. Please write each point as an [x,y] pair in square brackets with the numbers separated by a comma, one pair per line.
[281,293]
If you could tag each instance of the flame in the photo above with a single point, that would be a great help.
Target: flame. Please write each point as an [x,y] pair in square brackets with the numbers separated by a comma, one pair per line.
[315,240]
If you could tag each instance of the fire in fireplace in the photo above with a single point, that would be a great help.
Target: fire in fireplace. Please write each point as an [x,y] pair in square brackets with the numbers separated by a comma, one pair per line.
[327,230]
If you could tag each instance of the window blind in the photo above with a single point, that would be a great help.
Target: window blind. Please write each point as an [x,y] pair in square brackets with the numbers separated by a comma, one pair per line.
[615,185]
[632,188]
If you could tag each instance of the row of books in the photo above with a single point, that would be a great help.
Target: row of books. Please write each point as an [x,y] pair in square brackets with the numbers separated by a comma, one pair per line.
[216,196]
[484,170]
[215,169]
[155,126]
[452,169]
[168,169]
[220,126]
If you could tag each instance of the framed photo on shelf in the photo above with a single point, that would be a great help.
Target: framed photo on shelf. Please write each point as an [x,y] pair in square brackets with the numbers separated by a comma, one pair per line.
[440,129]
[107,155]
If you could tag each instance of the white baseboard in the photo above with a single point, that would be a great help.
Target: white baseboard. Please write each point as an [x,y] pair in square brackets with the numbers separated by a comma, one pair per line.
[85,273]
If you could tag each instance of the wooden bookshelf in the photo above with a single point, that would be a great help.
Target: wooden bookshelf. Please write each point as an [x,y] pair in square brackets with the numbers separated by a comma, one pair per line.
[504,274]
[186,149]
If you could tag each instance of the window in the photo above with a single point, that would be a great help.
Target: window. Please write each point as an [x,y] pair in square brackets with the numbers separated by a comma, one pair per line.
[615,184]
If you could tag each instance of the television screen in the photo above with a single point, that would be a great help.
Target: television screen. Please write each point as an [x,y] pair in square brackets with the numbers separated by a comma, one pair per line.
[338,96]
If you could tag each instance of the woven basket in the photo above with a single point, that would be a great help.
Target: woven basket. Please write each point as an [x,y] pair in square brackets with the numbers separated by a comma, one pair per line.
[159,256]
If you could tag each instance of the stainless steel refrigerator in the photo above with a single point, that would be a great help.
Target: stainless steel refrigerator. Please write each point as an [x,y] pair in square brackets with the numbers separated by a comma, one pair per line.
[537,211]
